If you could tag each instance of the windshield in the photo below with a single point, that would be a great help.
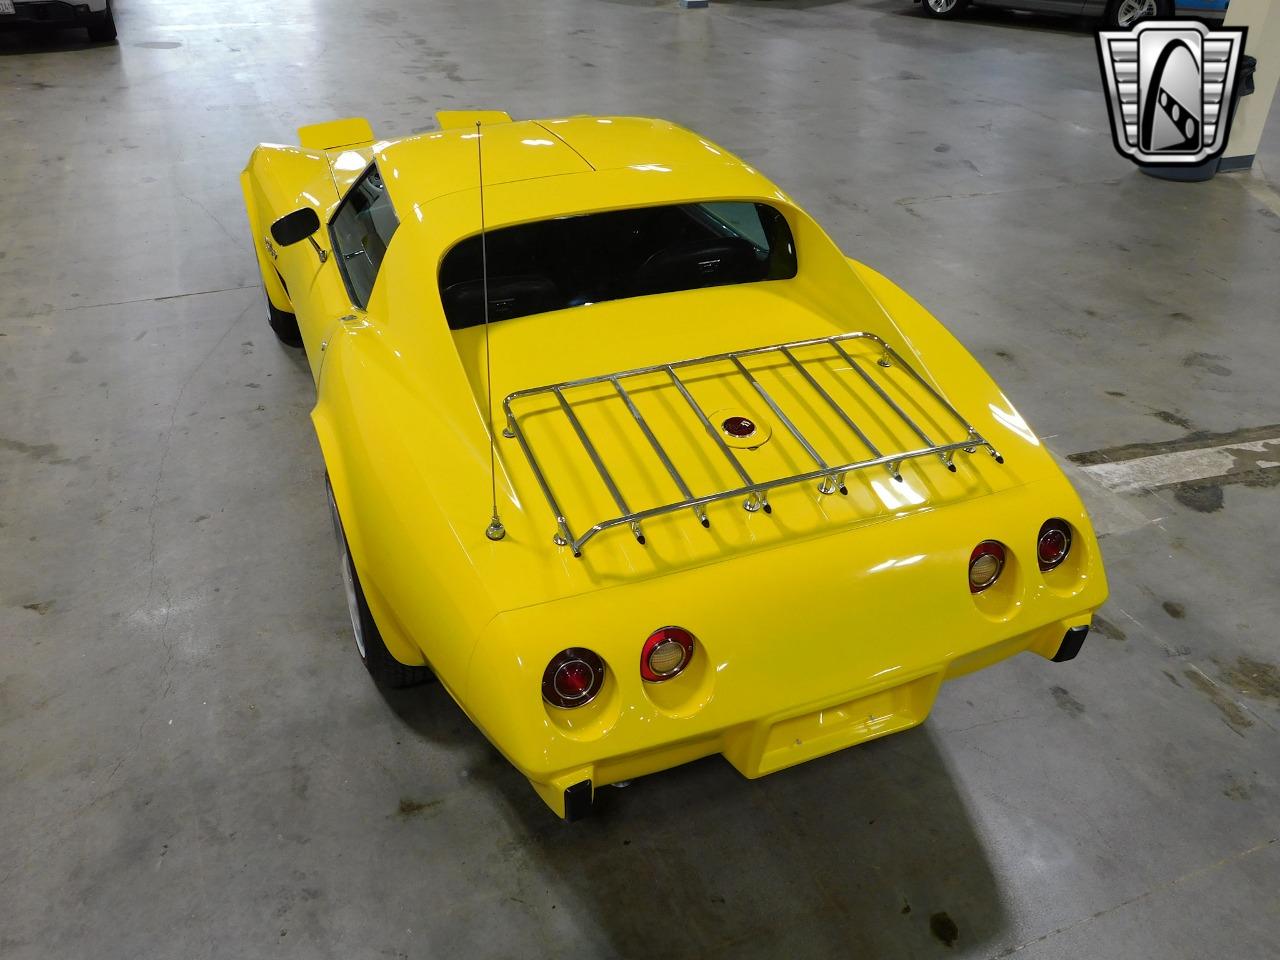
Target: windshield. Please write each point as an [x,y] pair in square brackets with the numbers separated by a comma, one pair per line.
[575,261]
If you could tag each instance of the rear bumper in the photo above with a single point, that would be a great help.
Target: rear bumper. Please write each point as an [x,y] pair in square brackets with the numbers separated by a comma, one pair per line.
[802,650]
[772,743]
[52,13]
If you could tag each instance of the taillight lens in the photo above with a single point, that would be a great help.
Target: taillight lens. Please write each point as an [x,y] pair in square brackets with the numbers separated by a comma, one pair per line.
[666,653]
[1054,543]
[985,564]
[572,678]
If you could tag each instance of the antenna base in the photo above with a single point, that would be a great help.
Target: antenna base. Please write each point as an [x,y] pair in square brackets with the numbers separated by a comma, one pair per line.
[495,530]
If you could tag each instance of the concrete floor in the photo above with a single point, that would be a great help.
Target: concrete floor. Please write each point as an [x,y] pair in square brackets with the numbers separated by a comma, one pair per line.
[192,760]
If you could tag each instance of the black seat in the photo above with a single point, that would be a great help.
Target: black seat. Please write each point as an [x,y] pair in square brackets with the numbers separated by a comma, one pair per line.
[509,297]
[699,263]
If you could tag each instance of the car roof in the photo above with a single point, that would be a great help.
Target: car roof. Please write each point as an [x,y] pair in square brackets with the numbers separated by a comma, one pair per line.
[427,166]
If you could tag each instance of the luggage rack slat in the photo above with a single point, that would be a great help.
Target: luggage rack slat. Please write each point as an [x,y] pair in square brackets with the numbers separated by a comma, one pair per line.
[755,501]
[698,511]
[840,412]
[599,464]
[867,379]
[755,492]
[564,536]
[828,482]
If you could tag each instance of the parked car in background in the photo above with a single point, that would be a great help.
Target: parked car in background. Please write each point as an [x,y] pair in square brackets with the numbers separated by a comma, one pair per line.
[1114,13]
[1215,9]
[94,15]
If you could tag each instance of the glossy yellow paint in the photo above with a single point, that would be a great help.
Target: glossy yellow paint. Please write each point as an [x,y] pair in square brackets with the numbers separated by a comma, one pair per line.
[828,623]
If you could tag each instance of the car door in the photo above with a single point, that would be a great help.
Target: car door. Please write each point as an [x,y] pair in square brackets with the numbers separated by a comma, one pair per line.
[338,287]
[359,230]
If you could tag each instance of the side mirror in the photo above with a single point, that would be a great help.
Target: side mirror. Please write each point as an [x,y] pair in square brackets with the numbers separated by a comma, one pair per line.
[295,227]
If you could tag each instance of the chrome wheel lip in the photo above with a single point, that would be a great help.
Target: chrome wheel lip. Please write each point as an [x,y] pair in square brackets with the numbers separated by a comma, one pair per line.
[348,576]
[941,6]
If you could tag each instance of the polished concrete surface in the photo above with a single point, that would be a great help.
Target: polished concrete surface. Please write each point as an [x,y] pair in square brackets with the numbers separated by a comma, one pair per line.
[192,760]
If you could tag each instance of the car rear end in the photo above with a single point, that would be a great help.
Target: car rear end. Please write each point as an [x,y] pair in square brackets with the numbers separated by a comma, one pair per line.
[799,650]
[790,547]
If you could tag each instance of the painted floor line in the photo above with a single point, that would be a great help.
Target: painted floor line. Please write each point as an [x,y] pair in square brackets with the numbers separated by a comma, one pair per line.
[1183,466]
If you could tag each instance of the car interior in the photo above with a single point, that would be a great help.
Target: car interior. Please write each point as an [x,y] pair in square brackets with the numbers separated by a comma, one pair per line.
[574,261]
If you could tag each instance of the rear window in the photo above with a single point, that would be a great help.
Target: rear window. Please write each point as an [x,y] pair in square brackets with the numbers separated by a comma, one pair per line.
[575,261]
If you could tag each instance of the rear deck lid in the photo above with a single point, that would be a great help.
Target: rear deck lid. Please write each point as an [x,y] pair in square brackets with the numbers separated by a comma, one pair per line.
[698,457]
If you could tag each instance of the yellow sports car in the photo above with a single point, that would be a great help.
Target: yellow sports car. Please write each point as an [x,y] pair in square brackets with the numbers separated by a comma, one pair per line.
[631,457]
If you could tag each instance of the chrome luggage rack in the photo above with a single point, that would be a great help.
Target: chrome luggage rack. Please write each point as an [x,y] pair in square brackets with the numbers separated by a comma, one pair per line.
[831,475]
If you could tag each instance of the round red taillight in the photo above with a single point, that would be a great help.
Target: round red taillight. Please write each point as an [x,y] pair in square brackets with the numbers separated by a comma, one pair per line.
[572,678]
[1054,543]
[740,427]
[985,564]
[666,653]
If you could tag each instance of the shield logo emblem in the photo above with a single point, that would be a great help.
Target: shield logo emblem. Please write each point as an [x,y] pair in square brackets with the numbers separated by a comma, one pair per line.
[1170,87]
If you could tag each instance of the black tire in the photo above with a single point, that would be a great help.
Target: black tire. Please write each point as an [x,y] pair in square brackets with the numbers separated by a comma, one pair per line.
[944,9]
[382,666]
[1119,15]
[284,325]
[103,27]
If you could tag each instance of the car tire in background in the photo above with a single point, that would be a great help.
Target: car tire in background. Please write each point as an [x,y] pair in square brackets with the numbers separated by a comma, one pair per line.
[1122,14]
[944,9]
[103,27]
[283,325]
[382,666]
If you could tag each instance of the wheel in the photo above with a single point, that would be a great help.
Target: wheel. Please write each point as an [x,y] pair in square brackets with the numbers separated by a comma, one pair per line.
[945,9]
[284,325]
[382,666]
[103,27]
[1122,14]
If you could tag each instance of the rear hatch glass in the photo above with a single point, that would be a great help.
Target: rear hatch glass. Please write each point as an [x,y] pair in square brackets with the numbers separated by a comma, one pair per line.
[591,258]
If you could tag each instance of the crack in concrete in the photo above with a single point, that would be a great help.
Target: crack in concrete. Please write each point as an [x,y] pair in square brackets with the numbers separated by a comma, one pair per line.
[209,213]
[170,296]
[167,595]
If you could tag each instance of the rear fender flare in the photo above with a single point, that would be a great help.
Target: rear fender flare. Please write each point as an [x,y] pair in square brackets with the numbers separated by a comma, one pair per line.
[393,635]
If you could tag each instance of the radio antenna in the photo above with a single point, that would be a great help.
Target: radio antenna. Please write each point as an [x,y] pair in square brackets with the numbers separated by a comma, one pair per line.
[495,530]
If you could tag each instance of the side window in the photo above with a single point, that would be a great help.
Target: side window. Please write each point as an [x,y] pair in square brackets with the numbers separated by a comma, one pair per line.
[361,230]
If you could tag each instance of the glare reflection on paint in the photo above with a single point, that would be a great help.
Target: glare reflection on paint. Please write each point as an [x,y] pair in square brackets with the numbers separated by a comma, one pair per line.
[896,495]
[310,199]
[655,167]
[1014,422]
[897,562]
[349,160]
[538,143]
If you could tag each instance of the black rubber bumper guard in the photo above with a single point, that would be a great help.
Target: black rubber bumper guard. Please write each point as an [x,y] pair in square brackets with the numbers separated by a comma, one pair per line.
[1071,644]
[577,800]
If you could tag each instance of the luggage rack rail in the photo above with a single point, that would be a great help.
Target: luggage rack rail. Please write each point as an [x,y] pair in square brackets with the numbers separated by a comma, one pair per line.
[831,476]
